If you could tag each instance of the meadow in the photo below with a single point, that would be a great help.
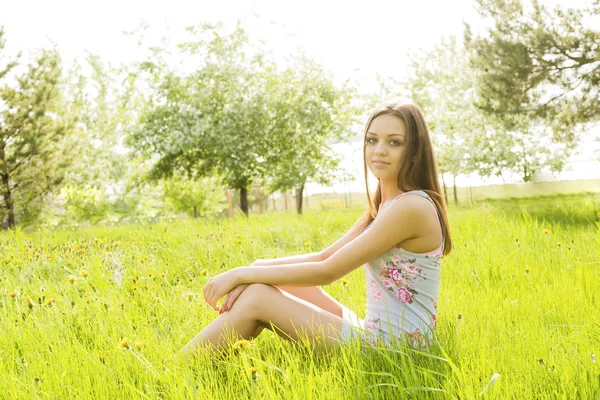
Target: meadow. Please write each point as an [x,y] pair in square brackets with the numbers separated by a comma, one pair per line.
[98,312]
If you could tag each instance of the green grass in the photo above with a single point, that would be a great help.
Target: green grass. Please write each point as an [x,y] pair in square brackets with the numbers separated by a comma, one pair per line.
[519,298]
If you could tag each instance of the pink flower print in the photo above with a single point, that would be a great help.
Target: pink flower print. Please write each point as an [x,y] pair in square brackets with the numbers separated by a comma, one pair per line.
[411,269]
[373,285]
[433,320]
[377,296]
[395,274]
[396,259]
[372,324]
[398,247]
[388,283]
[404,295]
[382,264]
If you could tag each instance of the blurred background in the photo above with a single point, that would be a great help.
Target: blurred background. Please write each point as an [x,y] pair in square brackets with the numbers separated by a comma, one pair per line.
[133,111]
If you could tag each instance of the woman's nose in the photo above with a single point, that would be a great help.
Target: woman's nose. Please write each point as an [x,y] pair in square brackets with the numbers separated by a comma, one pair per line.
[380,149]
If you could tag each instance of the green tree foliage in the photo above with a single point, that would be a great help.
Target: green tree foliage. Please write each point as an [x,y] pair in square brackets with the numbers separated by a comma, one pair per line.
[35,122]
[310,113]
[194,197]
[236,115]
[467,139]
[538,63]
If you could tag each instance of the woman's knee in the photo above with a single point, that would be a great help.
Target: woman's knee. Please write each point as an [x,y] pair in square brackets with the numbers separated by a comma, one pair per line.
[255,296]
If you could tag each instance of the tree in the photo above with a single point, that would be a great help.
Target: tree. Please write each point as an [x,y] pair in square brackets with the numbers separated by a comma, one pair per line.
[310,113]
[233,116]
[468,140]
[34,122]
[538,64]
[440,82]
[207,122]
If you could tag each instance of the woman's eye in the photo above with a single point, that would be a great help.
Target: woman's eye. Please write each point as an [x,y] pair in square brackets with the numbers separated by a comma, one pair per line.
[373,140]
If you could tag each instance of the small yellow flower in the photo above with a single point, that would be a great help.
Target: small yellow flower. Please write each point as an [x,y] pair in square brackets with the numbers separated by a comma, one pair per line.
[48,302]
[242,344]
[124,344]
[307,244]
[252,370]
[139,345]
[204,271]
[101,357]
[546,231]
[598,214]
[12,294]
[215,259]
[27,300]
[133,287]
[490,217]
[558,244]
[163,274]
[526,270]
[83,273]
[190,296]
[344,282]
[72,280]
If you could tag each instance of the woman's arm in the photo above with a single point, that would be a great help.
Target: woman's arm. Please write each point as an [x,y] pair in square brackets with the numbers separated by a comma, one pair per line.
[407,218]
[298,259]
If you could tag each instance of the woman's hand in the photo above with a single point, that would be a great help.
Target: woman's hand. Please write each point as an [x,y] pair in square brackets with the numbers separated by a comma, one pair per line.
[232,297]
[235,293]
[218,286]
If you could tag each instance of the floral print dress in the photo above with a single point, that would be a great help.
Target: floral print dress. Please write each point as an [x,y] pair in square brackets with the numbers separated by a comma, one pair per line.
[402,294]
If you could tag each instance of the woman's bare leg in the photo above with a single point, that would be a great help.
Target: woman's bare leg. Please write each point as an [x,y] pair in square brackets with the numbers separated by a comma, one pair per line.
[314,295]
[265,305]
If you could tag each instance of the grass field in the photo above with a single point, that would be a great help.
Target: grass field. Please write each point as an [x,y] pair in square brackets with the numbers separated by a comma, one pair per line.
[99,312]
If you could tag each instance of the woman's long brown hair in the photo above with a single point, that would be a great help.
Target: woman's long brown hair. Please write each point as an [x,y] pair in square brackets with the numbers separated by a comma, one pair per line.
[422,173]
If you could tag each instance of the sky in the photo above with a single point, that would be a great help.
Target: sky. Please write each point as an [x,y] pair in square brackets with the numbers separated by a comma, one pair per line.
[357,39]
[349,38]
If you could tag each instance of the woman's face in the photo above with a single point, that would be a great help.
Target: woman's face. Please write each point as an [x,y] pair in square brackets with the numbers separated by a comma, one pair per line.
[385,142]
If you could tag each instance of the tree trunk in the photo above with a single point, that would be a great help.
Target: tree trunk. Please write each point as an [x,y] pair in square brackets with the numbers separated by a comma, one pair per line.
[244,200]
[445,190]
[455,194]
[195,212]
[299,192]
[274,205]
[10,207]
[285,200]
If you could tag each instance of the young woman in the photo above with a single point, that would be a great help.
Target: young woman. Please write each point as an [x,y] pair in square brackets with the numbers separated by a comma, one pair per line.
[400,241]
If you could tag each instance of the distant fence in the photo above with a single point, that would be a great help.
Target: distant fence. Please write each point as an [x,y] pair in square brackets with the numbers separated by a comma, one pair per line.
[260,202]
